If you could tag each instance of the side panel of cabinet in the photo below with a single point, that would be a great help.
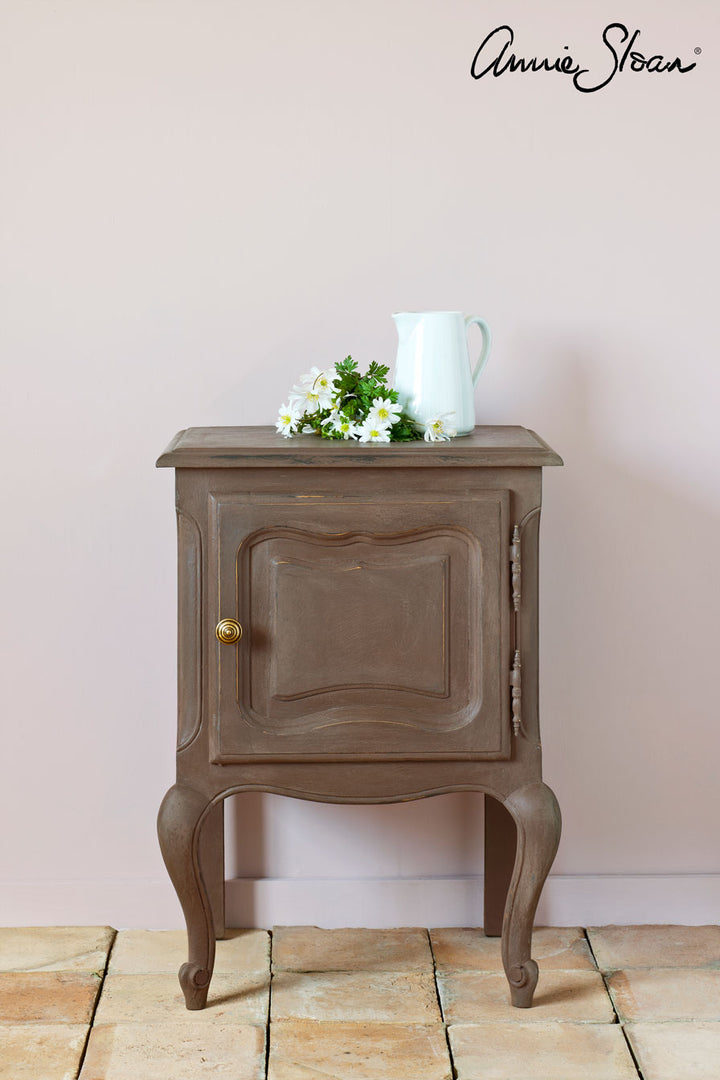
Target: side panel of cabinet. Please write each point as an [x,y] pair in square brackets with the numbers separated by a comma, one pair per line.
[373,628]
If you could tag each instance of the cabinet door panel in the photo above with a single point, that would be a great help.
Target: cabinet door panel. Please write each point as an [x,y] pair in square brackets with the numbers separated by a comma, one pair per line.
[351,614]
[372,628]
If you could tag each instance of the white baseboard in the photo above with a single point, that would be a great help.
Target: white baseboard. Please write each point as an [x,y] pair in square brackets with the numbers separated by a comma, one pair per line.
[690,899]
[586,900]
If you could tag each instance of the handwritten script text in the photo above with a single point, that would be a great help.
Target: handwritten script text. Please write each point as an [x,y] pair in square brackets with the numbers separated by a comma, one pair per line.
[495,58]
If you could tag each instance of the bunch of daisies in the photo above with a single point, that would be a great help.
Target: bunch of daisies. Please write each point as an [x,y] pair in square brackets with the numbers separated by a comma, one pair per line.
[341,403]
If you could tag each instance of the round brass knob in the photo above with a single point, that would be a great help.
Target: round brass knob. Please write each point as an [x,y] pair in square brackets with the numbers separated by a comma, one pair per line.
[228,631]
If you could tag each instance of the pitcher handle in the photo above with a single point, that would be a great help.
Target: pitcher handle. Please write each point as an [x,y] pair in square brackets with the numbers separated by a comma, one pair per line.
[485,351]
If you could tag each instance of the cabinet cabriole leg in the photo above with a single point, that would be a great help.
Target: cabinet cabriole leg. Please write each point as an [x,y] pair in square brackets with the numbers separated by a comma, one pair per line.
[537,818]
[211,845]
[179,823]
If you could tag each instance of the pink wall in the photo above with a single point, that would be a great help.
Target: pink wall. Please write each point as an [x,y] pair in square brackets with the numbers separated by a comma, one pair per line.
[200,200]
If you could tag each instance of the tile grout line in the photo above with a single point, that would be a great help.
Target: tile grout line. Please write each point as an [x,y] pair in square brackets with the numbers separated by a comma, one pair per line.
[601,973]
[635,1061]
[267,1024]
[612,1005]
[440,1007]
[97,1002]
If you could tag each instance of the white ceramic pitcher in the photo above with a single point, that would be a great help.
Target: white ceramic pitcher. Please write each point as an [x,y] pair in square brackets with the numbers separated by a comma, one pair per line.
[432,370]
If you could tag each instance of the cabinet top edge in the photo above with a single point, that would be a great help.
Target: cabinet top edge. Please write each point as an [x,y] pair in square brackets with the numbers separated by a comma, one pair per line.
[258,447]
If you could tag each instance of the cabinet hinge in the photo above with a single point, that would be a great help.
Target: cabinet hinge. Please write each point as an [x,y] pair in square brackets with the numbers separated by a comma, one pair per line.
[516,694]
[516,568]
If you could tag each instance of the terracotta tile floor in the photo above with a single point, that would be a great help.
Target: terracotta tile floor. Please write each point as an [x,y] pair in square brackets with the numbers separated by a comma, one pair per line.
[613,1003]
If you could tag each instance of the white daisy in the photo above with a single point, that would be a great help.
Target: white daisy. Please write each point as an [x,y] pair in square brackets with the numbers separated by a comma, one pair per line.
[287,420]
[340,424]
[315,390]
[437,428]
[371,431]
[384,412]
[346,428]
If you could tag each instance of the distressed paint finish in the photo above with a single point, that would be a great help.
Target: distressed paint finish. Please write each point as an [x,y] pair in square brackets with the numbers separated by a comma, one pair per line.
[416,540]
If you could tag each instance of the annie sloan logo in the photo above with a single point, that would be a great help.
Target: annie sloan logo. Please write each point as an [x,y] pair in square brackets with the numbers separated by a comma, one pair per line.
[495,57]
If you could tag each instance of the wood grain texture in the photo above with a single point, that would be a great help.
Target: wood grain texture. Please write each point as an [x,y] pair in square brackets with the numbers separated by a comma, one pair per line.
[262,447]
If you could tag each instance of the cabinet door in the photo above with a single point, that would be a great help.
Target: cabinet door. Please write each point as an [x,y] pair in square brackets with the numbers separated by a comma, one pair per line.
[372,628]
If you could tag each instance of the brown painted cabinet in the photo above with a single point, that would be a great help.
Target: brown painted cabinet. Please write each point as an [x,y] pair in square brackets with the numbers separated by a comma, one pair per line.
[358,623]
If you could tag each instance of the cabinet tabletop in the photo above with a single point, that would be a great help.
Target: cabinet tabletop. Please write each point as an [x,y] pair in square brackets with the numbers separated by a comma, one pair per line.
[258,447]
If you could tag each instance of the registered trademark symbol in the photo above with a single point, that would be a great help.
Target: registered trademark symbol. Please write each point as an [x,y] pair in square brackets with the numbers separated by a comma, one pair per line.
[698,51]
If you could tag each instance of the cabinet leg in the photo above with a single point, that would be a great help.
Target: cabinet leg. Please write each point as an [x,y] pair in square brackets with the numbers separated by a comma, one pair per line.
[212,864]
[537,817]
[500,844]
[180,822]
